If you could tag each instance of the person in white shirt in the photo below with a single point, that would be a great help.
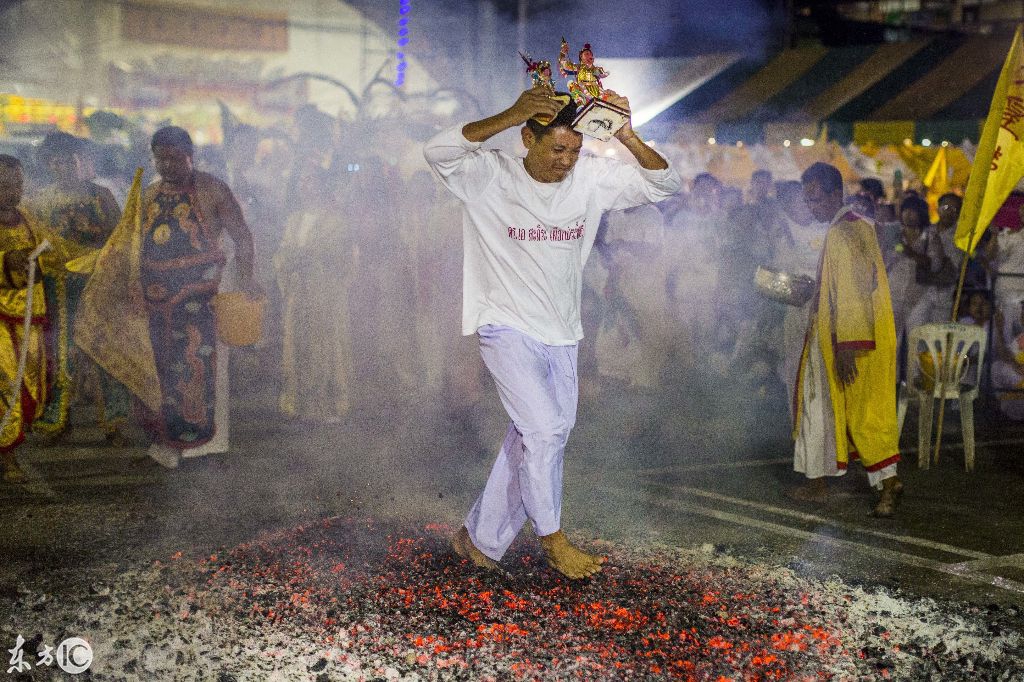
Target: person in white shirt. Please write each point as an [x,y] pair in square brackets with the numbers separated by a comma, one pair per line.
[937,266]
[528,227]
[905,286]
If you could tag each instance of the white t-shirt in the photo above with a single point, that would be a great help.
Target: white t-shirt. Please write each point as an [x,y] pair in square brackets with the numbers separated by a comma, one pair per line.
[525,242]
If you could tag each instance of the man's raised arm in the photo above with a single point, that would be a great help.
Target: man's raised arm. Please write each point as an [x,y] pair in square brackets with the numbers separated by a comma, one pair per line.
[645,156]
[532,102]
[454,155]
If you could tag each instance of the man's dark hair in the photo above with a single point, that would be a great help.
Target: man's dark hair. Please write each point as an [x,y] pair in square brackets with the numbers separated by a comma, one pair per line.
[58,143]
[8,161]
[706,179]
[761,173]
[918,206]
[788,190]
[952,195]
[825,176]
[173,136]
[564,119]
[874,187]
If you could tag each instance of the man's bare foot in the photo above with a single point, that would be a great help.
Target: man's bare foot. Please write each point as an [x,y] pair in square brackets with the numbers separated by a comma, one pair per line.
[892,491]
[165,455]
[815,490]
[464,547]
[567,559]
[115,438]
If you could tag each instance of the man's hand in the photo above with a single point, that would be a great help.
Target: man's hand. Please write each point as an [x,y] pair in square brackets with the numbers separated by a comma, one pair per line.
[535,102]
[626,132]
[645,156]
[910,236]
[17,260]
[846,366]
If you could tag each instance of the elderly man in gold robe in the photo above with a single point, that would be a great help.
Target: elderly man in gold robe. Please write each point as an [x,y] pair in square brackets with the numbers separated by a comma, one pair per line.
[845,401]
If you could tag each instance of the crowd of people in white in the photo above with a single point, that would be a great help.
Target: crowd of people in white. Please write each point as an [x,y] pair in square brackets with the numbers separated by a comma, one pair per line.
[363,265]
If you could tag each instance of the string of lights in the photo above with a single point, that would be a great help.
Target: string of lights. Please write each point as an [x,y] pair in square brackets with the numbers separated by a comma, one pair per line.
[404,9]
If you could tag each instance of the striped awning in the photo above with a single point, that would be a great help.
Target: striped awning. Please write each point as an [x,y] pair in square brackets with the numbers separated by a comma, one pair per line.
[654,85]
[938,89]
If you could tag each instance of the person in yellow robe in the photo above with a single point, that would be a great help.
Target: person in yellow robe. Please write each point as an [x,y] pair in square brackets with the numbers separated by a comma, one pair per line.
[845,399]
[20,234]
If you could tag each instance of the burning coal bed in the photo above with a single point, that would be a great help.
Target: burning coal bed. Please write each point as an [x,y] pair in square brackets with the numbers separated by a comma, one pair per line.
[357,599]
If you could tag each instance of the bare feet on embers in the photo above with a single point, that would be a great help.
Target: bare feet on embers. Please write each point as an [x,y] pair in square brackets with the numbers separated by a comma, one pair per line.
[567,559]
[464,547]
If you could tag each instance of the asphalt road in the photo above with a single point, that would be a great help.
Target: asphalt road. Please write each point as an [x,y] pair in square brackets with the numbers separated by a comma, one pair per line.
[638,466]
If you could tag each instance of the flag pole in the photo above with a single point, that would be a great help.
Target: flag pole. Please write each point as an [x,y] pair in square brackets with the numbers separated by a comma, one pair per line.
[985,190]
[962,279]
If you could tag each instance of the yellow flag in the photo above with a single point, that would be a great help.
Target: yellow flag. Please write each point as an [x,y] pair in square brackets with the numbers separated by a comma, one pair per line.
[822,135]
[999,162]
[112,324]
[937,182]
[937,177]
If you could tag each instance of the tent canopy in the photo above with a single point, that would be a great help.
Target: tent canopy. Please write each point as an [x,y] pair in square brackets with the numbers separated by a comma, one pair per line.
[936,89]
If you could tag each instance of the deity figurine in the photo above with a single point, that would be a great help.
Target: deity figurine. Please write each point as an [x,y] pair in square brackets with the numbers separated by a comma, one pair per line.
[587,85]
[540,72]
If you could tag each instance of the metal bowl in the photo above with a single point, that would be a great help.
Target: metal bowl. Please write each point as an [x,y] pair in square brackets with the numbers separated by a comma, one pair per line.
[783,287]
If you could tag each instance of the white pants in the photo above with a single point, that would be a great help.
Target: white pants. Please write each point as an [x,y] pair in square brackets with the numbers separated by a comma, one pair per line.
[539,388]
[221,411]
[814,454]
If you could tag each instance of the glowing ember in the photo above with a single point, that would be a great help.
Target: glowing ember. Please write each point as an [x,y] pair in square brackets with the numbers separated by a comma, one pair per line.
[409,601]
[356,599]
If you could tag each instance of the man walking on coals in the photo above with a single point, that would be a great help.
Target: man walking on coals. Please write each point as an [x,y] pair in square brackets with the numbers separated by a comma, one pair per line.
[528,226]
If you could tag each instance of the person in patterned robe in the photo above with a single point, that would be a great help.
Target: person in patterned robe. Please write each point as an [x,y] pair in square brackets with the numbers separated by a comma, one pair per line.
[184,215]
[85,213]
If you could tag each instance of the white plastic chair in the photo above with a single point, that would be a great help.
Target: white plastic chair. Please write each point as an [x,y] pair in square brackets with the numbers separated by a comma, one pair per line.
[968,345]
